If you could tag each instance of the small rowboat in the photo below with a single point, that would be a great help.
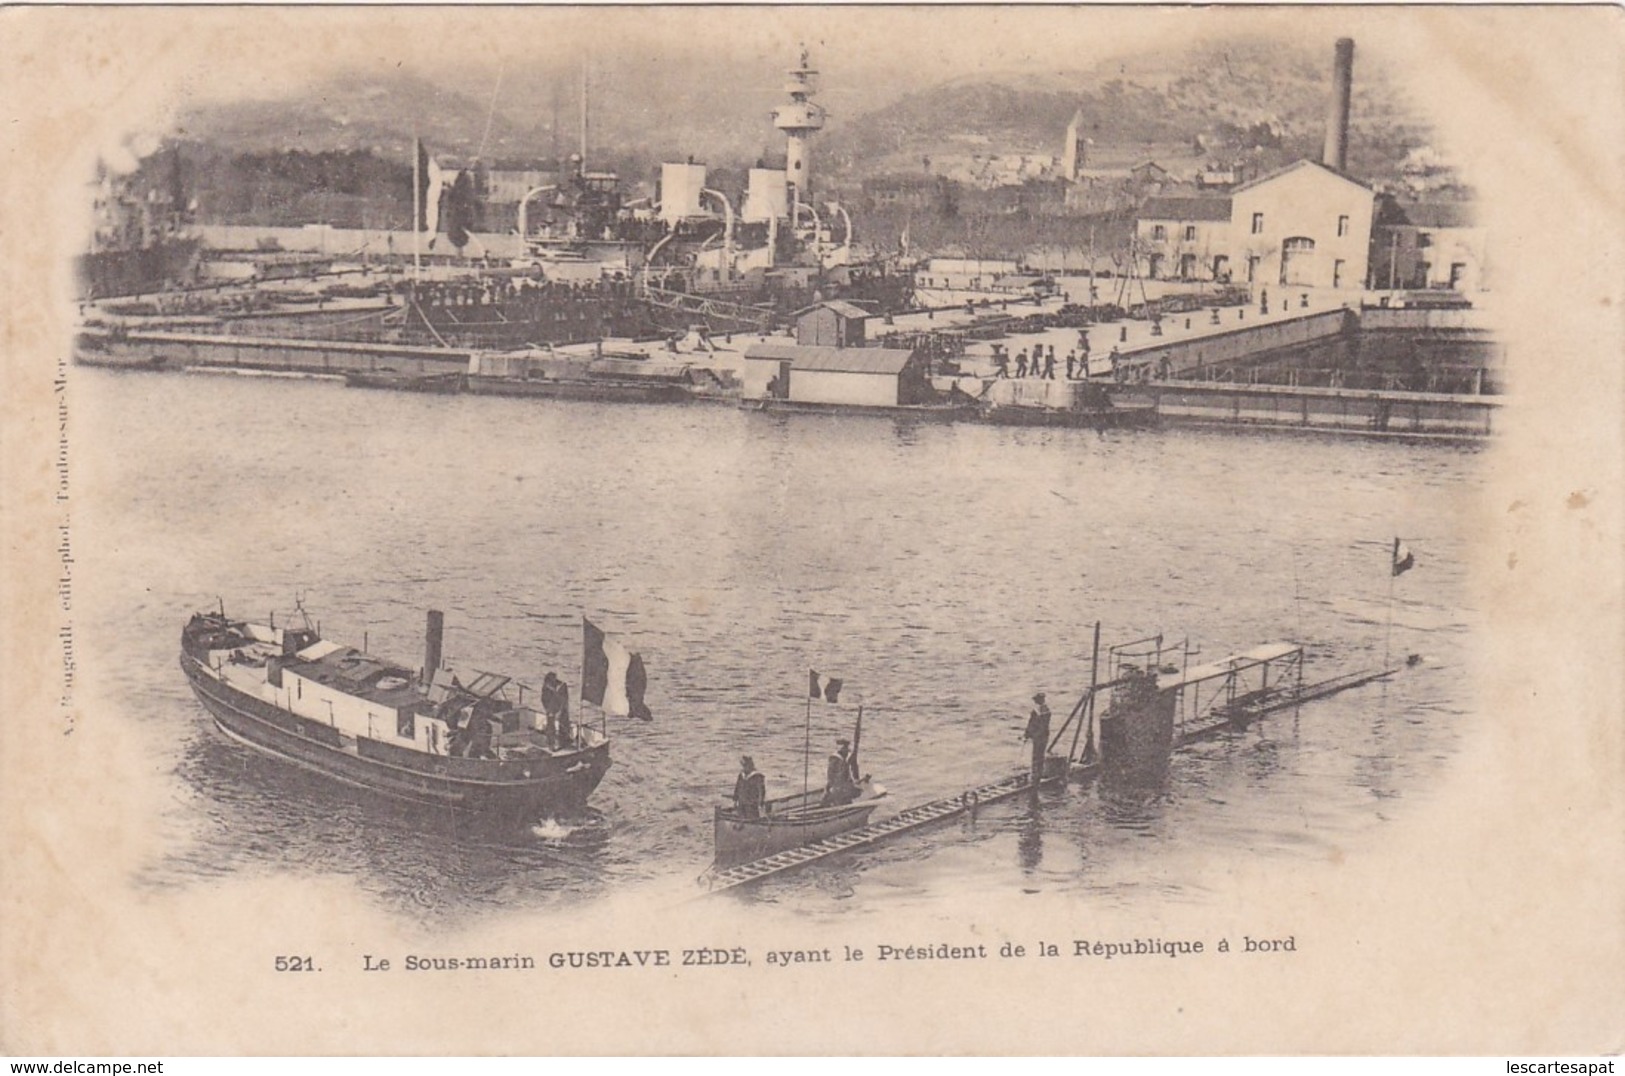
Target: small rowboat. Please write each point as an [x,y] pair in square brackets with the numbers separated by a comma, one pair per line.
[790,822]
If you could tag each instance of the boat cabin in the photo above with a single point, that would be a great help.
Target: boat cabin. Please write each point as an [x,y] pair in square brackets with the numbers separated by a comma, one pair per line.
[336,693]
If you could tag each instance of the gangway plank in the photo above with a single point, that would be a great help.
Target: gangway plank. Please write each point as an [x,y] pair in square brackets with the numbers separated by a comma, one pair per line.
[913,818]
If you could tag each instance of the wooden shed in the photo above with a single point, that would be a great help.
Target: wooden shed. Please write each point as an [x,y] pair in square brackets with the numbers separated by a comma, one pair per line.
[848,376]
[835,323]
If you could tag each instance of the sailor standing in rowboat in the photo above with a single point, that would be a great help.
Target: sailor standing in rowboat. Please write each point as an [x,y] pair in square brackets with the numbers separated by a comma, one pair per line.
[841,783]
[750,789]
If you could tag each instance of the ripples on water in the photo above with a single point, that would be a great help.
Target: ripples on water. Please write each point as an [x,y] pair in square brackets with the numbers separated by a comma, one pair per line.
[946,572]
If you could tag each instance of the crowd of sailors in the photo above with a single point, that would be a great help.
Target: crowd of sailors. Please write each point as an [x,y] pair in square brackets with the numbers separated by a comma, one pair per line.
[1042,363]
[489,291]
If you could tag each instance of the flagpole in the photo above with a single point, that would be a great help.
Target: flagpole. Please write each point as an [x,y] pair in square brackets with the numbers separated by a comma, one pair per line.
[806,753]
[417,204]
[1388,629]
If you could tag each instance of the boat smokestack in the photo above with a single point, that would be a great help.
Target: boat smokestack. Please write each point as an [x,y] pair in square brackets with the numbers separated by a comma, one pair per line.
[1337,113]
[431,643]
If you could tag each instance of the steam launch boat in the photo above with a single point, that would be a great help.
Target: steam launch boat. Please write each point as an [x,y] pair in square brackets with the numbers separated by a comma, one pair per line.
[470,742]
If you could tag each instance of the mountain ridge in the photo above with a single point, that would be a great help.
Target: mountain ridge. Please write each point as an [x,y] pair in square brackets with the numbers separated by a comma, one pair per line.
[1215,98]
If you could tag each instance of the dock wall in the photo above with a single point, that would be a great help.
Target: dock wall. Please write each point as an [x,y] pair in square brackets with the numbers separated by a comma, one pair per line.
[1187,396]
[1033,392]
[174,350]
[1421,319]
[1426,414]
[1194,355]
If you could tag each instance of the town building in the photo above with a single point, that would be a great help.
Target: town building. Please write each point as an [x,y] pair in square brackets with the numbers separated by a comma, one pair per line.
[1149,175]
[1186,238]
[1427,245]
[508,186]
[1105,188]
[1220,177]
[1307,225]
[909,190]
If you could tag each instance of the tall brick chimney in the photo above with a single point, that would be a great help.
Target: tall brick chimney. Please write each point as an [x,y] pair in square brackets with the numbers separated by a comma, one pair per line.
[1337,113]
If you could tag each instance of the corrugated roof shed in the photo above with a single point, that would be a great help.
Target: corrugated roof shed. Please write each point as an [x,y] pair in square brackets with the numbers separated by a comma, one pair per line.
[844,360]
[846,309]
[1185,208]
[840,306]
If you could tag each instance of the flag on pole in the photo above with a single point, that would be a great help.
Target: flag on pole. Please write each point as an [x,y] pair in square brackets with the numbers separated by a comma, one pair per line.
[431,180]
[827,688]
[612,677]
[1404,560]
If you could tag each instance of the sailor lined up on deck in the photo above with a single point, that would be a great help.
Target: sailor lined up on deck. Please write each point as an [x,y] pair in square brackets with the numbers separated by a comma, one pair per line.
[556,705]
[750,789]
[841,782]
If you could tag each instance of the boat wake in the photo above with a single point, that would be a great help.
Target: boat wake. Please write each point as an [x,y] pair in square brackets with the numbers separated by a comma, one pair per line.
[551,829]
[581,831]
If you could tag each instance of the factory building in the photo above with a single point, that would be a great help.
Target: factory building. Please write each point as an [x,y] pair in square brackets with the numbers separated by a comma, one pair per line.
[1306,226]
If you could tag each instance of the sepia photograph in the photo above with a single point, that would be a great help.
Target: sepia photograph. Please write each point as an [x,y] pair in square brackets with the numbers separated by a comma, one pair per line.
[813,530]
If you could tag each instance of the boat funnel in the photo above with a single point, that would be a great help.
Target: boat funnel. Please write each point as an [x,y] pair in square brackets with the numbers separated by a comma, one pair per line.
[431,643]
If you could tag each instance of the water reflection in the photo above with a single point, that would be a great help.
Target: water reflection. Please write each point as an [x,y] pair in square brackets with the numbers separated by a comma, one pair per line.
[272,813]
[935,567]
[1030,839]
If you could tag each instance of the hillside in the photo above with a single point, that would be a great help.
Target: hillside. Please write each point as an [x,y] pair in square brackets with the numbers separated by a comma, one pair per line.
[332,147]
[1235,96]
[354,113]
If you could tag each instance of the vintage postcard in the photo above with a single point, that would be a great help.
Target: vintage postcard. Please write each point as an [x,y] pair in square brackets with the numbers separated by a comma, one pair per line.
[812,530]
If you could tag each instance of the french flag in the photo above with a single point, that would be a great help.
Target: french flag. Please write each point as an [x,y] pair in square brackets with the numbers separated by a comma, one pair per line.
[827,688]
[612,677]
[431,184]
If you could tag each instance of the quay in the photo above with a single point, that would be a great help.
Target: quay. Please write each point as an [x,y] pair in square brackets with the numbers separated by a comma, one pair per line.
[1368,411]
[175,350]
[1220,366]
